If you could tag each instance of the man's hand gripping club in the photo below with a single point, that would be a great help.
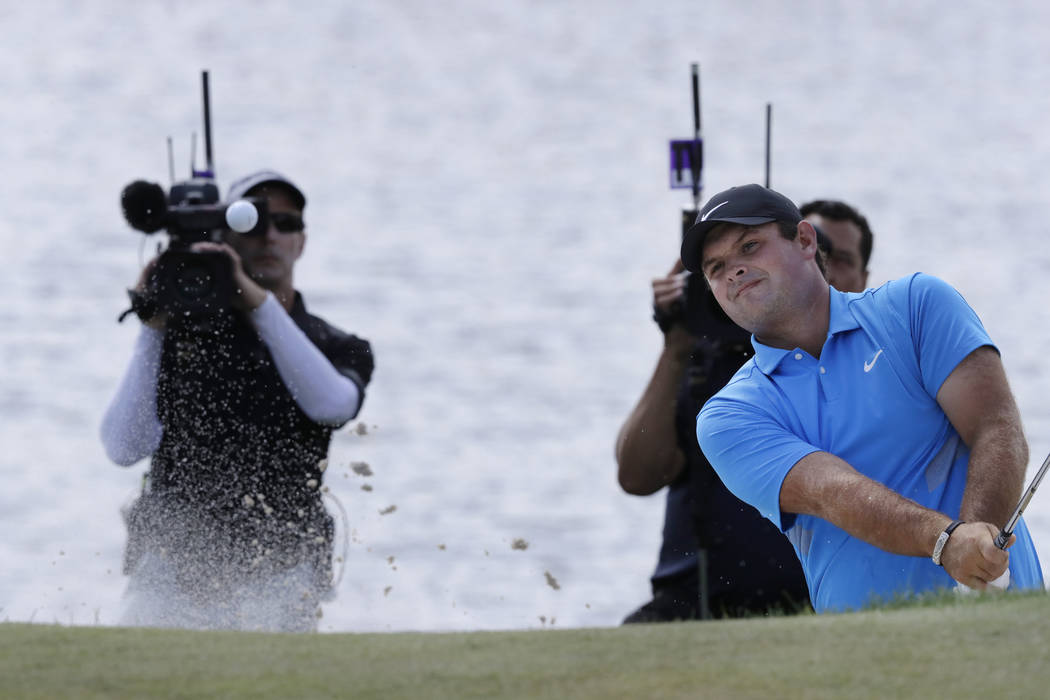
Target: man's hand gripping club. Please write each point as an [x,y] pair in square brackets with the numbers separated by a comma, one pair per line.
[971,557]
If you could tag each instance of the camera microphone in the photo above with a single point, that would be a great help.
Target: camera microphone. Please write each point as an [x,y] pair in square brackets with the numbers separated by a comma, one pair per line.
[145,205]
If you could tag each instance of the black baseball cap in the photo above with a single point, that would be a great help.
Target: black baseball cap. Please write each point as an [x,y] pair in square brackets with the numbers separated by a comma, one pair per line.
[240,187]
[747,205]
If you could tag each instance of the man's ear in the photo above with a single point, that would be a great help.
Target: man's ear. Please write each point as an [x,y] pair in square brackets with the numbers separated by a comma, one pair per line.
[807,236]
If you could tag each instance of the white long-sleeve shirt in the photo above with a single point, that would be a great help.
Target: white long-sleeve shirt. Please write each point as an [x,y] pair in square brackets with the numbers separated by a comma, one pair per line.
[130,428]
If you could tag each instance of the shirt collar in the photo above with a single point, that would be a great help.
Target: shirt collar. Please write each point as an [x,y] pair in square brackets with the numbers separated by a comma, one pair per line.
[298,307]
[839,320]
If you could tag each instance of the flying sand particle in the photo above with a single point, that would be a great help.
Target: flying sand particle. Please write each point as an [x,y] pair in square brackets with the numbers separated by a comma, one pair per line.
[388,510]
[519,543]
[551,581]
[361,468]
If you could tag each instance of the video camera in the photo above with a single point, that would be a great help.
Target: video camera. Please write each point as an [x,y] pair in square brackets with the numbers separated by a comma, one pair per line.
[184,281]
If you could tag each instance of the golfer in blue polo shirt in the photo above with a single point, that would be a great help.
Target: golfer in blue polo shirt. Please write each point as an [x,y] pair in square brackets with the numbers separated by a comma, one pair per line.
[875,429]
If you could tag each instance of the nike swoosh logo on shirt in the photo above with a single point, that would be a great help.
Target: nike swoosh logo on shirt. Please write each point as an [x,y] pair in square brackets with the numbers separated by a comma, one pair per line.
[869,365]
[712,210]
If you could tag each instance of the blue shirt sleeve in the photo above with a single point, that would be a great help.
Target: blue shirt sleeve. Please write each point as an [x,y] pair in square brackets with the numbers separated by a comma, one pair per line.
[944,328]
[751,452]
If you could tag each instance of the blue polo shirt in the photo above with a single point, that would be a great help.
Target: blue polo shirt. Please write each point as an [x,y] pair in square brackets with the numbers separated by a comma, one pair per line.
[869,399]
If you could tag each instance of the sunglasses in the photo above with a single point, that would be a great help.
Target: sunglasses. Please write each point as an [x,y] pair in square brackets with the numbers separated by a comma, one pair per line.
[286,222]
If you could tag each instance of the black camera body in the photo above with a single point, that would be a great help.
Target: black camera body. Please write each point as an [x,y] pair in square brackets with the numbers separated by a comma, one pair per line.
[184,281]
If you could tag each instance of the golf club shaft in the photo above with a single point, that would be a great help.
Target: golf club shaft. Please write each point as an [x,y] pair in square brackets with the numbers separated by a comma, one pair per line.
[1008,529]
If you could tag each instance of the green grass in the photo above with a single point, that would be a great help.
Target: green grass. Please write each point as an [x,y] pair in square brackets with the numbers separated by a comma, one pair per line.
[980,646]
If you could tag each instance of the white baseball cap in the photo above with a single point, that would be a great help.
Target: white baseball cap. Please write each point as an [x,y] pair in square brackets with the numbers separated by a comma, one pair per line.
[241,187]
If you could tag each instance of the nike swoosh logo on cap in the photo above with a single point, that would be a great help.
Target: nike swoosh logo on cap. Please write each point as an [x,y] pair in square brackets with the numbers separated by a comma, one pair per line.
[712,210]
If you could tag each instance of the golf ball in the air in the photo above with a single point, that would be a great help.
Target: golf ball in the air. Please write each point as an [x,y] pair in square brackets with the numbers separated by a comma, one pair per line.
[242,216]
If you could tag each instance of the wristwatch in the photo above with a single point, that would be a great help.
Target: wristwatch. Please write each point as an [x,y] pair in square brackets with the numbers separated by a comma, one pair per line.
[942,540]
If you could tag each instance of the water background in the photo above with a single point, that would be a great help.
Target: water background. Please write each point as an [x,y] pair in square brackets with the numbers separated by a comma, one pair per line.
[488,202]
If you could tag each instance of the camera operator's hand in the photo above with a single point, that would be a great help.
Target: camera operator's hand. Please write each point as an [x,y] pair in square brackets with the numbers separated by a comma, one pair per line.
[670,288]
[160,318]
[669,301]
[248,295]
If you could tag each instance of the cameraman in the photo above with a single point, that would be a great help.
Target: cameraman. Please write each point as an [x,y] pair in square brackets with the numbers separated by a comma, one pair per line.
[237,409]
[714,543]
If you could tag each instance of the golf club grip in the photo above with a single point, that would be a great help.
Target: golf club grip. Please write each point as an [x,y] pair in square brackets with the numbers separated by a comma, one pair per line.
[1002,538]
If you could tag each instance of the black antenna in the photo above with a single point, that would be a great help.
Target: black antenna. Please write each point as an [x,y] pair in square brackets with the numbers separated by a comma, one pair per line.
[769,128]
[171,162]
[703,593]
[207,126]
[698,149]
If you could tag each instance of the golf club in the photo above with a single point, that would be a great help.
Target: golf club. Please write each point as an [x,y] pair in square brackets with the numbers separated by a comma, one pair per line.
[1008,529]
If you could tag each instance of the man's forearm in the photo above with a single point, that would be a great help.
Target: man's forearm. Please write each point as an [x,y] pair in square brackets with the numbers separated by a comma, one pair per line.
[827,487]
[995,478]
[325,395]
[977,400]
[130,428]
[647,451]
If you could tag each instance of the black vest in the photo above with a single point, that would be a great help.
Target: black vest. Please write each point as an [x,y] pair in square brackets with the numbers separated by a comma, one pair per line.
[237,476]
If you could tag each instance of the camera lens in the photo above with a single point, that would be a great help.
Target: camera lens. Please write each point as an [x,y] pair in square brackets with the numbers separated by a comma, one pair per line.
[194,281]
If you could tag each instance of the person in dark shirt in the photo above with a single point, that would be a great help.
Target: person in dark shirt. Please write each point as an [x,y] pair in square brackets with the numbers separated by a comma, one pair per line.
[237,410]
[718,557]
